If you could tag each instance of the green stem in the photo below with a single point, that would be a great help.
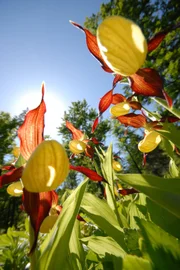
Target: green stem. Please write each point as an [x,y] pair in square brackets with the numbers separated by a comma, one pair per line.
[32,256]
[163,103]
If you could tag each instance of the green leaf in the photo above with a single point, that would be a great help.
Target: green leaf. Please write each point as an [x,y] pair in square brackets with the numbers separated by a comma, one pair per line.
[163,218]
[20,161]
[173,169]
[170,132]
[164,191]
[100,212]
[158,246]
[103,245]
[132,241]
[163,103]
[56,245]
[77,256]
[132,262]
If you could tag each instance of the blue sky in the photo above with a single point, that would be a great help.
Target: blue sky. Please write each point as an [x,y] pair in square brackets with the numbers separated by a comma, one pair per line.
[37,43]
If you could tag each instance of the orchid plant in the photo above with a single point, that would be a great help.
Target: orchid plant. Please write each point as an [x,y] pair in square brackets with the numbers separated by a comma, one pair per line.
[136,223]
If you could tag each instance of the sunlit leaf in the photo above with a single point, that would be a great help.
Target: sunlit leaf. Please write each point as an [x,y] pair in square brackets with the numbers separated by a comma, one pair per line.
[31,131]
[55,248]
[103,245]
[137,263]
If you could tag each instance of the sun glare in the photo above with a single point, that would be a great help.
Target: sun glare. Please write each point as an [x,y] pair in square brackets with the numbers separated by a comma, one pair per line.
[55,108]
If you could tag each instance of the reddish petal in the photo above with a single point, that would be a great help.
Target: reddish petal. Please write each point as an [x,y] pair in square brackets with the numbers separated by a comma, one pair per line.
[31,131]
[89,151]
[76,133]
[118,98]
[127,191]
[8,168]
[89,173]
[170,119]
[135,105]
[158,38]
[94,126]
[95,141]
[80,218]
[117,79]
[147,82]
[168,99]
[92,45]
[37,206]
[106,101]
[133,120]
[54,198]
[12,176]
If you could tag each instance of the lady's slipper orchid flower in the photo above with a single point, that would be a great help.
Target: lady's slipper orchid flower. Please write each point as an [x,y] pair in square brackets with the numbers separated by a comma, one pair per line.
[15,189]
[77,146]
[120,109]
[117,166]
[122,45]
[150,141]
[47,167]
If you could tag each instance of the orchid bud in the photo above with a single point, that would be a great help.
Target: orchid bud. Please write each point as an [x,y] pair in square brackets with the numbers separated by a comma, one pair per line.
[77,147]
[117,166]
[120,109]
[150,142]
[47,167]
[122,45]
[48,223]
[15,189]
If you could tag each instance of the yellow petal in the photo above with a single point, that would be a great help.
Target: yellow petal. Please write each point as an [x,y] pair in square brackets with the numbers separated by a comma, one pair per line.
[117,166]
[15,189]
[77,146]
[48,223]
[47,167]
[122,45]
[120,109]
[150,142]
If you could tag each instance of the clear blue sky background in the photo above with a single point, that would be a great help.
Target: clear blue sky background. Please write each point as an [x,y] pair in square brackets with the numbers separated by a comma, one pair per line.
[37,43]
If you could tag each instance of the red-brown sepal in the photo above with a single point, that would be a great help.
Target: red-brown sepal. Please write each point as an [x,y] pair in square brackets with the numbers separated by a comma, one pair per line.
[133,120]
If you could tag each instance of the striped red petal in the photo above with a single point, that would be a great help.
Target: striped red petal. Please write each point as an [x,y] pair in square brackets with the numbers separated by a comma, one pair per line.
[133,120]
[147,82]
[94,126]
[127,191]
[106,101]
[11,176]
[92,45]
[117,98]
[89,151]
[155,41]
[117,79]
[76,133]
[37,206]
[89,173]
[31,131]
